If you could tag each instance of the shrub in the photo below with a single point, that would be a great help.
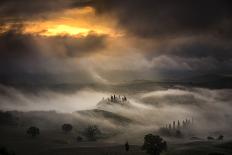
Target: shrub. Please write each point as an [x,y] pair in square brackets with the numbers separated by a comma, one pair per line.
[33,131]
[92,132]
[154,144]
[67,128]
[79,138]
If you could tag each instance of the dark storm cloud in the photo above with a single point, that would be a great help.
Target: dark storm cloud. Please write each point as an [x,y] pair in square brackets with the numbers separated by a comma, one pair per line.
[201,50]
[194,36]
[195,48]
[84,46]
[174,36]
[30,58]
[158,18]
[24,9]
[15,48]
[15,44]
[25,57]
[145,18]
[186,31]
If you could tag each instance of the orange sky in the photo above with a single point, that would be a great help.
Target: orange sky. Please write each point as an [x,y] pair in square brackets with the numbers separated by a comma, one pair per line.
[73,22]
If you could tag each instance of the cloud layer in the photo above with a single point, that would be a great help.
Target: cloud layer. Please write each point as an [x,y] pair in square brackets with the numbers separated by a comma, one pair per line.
[135,39]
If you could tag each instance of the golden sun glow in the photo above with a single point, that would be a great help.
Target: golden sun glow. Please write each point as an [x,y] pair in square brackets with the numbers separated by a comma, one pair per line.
[75,22]
[66,29]
[56,29]
[72,22]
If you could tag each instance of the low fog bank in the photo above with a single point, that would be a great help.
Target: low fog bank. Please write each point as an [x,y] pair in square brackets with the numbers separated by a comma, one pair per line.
[45,100]
[147,111]
[209,109]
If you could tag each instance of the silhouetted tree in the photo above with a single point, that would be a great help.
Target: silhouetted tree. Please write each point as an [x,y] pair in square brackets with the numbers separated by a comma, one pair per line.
[178,134]
[174,125]
[67,128]
[154,144]
[79,138]
[33,131]
[178,124]
[220,137]
[127,146]
[92,132]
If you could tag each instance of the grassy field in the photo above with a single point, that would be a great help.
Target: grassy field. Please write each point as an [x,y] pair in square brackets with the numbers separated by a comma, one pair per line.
[58,143]
[200,148]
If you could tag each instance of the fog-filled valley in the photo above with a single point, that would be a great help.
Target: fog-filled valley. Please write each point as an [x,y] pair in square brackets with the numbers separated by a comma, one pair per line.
[115,77]
[153,110]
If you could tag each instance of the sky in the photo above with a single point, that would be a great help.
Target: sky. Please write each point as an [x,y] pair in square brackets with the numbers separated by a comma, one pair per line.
[110,41]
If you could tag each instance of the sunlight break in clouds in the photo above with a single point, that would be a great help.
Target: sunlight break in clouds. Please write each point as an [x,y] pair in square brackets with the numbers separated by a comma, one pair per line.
[73,22]
[70,22]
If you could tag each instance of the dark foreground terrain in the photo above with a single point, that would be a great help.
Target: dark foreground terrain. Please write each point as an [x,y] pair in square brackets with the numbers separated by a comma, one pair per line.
[58,143]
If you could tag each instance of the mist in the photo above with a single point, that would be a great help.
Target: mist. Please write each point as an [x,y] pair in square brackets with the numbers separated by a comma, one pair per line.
[46,100]
[147,111]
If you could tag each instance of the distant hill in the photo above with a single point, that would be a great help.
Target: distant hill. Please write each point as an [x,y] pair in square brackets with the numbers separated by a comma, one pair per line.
[205,80]
[113,117]
[212,80]
[104,103]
